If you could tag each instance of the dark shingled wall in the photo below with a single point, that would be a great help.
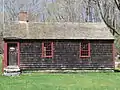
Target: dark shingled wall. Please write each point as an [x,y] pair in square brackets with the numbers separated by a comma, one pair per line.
[66,55]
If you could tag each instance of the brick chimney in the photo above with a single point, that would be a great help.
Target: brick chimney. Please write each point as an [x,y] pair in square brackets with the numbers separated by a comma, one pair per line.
[23,16]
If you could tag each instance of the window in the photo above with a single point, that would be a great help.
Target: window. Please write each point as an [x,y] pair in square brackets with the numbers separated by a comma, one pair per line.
[85,49]
[47,49]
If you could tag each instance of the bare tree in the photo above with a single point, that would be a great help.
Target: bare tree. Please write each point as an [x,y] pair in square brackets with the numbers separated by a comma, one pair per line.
[13,7]
[72,11]
[117,2]
[109,11]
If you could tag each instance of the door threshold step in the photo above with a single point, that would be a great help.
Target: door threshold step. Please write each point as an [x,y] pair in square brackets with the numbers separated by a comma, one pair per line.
[12,70]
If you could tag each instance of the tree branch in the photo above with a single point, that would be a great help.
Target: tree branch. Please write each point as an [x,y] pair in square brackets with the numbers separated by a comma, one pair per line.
[109,26]
[117,4]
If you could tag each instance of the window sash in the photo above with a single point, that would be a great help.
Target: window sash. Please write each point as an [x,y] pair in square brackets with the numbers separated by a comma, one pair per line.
[85,52]
[46,51]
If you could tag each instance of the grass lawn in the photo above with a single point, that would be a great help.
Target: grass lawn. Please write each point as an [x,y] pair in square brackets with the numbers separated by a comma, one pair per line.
[59,81]
[45,81]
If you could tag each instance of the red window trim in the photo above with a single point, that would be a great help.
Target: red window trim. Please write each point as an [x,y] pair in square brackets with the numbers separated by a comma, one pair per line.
[5,55]
[50,56]
[84,50]
[113,52]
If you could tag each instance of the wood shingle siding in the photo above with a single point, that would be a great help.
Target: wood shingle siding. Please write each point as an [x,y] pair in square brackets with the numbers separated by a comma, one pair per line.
[66,55]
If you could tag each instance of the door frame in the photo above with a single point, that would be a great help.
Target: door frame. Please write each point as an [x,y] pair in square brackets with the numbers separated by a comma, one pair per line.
[6,53]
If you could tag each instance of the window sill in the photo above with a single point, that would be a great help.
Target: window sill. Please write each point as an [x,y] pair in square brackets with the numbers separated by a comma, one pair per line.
[47,56]
[84,56]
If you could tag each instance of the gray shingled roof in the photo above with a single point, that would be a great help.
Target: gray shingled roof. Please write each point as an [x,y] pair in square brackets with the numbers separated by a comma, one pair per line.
[67,30]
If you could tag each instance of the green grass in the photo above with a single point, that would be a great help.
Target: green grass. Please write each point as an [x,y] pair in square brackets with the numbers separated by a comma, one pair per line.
[48,81]
[59,81]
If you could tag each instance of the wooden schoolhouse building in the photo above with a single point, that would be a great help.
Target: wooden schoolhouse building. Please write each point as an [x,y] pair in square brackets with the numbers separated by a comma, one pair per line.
[58,46]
